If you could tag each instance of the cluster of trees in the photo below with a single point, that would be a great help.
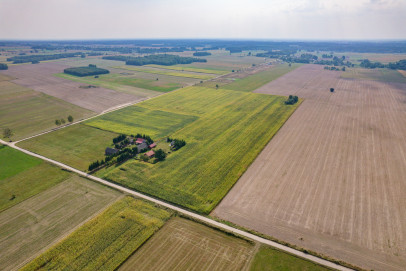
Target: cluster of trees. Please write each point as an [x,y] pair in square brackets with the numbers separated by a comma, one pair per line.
[7,133]
[37,58]
[176,143]
[365,63]
[160,155]
[62,121]
[85,71]
[3,66]
[146,137]
[292,100]
[119,138]
[327,56]
[277,53]
[303,58]
[201,54]
[399,65]
[122,156]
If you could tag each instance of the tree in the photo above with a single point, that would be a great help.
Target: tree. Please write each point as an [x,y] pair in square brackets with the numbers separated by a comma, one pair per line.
[217,86]
[160,155]
[57,122]
[70,118]
[62,121]
[7,133]
[331,89]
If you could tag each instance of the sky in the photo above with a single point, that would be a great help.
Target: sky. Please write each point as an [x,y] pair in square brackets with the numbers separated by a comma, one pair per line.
[224,19]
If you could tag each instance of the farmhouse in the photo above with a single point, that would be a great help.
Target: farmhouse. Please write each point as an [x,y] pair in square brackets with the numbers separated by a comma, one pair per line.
[110,151]
[150,154]
[142,146]
[140,141]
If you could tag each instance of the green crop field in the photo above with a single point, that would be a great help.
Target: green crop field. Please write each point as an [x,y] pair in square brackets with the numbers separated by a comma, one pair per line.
[137,119]
[77,145]
[252,82]
[167,72]
[27,112]
[269,259]
[40,221]
[232,129]
[186,245]
[107,240]
[23,176]
[189,69]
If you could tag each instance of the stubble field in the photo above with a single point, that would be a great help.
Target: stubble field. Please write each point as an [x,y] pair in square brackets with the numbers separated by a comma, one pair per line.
[332,179]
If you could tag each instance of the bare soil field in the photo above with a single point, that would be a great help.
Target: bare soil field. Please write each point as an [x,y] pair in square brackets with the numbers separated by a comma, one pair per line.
[34,224]
[186,245]
[332,180]
[402,72]
[40,78]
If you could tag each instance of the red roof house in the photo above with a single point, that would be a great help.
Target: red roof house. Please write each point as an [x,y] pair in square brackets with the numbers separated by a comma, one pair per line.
[150,154]
[153,145]
[140,141]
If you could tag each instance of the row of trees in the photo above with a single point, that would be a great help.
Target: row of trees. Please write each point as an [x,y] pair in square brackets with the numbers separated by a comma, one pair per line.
[176,144]
[62,121]
[162,59]
[85,71]
[37,58]
[399,65]
[201,54]
[3,66]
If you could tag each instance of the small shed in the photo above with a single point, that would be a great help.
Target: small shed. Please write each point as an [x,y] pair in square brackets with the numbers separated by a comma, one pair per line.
[110,151]
[153,145]
[140,141]
[142,146]
[150,154]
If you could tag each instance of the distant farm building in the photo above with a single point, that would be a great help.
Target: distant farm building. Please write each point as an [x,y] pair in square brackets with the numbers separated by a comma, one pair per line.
[153,145]
[150,154]
[140,141]
[110,151]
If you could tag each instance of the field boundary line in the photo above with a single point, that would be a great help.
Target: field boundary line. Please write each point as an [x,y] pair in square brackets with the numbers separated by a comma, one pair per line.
[187,213]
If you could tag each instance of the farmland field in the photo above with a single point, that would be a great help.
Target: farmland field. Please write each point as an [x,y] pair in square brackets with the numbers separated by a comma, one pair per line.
[107,240]
[23,176]
[77,145]
[216,153]
[332,179]
[254,81]
[137,119]
[384,75]
[189,69]
[27,112]
[180,73]
[40,77]
[269,259]
[32,225]
[185,245]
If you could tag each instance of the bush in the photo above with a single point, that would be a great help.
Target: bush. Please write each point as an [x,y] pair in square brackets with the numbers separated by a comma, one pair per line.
[3,66]
[160,155]
[292,100]
[201,54]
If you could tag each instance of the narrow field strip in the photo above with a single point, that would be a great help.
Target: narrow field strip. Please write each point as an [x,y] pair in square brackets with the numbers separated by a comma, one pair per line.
[167,72]
[178,68]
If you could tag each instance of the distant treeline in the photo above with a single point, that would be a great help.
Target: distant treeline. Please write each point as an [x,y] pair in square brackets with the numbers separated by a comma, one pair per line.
[400,65]
[3,66]
[85,71]
[160,59]
[201,54]
[37,58]
[123,50]
[159,45]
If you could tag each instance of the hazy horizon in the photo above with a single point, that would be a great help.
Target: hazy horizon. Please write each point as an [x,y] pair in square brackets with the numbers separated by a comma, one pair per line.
[296,20]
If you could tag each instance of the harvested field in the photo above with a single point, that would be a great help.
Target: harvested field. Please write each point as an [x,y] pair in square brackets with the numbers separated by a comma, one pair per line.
[27,112]
[333,179]
[31,226]
[77,145]
[148,69]
[40,78]
[185,245]
[384,75]
[402,72]
[189,69]
[107,240]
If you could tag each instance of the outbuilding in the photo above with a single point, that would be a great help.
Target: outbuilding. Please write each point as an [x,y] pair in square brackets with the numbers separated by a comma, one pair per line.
[110,151]
[150,154]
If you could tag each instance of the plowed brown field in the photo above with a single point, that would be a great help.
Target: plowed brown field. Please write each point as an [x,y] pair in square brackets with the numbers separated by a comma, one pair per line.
[333,179]
[40,78]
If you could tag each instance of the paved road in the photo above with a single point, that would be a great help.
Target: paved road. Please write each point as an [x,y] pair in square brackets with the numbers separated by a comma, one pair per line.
[186,212]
